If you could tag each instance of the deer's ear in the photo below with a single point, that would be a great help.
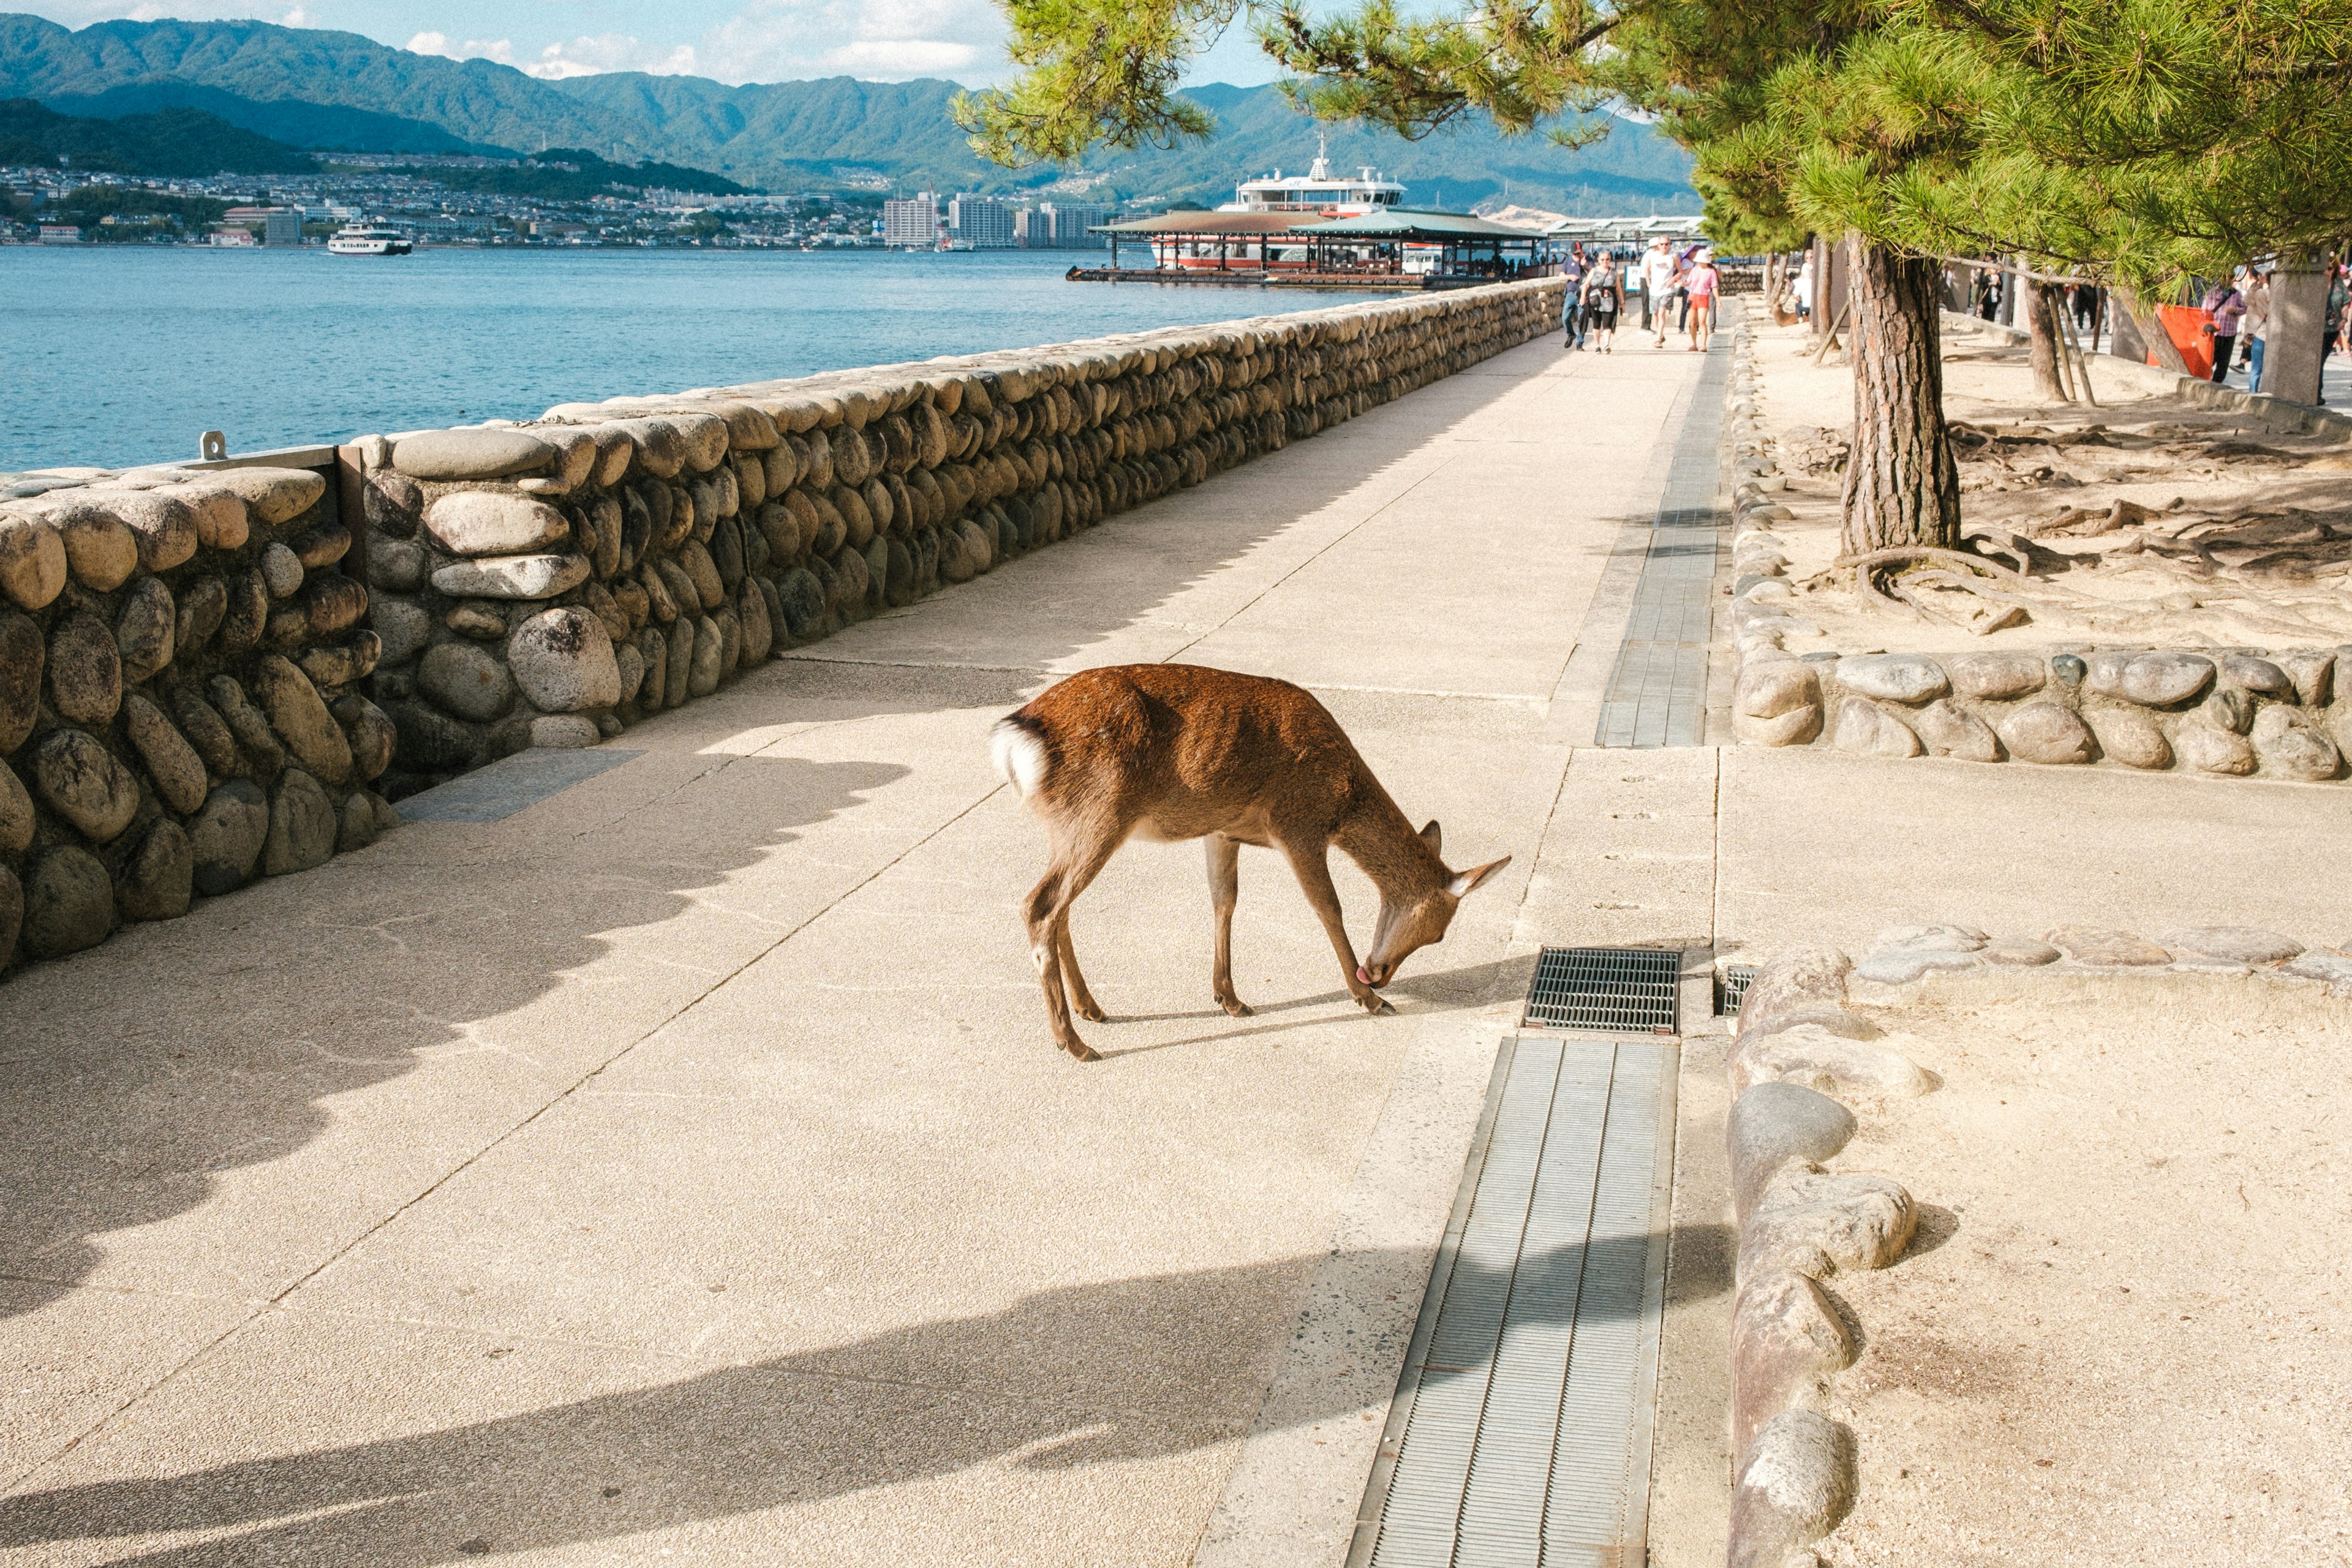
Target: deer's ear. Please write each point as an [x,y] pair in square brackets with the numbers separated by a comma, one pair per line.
[1432,836]
[1462,885]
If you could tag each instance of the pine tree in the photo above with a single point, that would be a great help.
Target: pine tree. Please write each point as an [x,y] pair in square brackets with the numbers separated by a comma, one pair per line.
[2140,142]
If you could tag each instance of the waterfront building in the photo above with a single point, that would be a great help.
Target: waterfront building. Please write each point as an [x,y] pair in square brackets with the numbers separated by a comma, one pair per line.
[273,226]
[983,222]
[61,233]
[913,222]
[1067,226]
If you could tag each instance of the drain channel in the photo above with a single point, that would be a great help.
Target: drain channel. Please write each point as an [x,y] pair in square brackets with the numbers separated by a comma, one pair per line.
[1521,1432]
[1657,692]
[1617,990]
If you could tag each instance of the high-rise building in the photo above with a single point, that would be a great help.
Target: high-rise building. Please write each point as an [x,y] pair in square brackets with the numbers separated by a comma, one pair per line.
[986,223]
[1064,225]
[912,221]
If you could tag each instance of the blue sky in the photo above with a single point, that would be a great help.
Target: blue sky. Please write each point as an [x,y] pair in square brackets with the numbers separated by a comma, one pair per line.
[733,40]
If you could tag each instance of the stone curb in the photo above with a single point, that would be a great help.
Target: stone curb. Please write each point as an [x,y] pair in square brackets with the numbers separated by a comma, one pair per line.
[1799,1223]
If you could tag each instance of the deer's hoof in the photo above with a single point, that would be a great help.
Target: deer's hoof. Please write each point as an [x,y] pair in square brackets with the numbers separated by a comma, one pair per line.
[1236,1006]
[1080,1050]
[1091,1013]
[1376,1007]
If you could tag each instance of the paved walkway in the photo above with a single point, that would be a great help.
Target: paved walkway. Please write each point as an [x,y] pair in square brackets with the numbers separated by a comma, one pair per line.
[679,1169]
[681,1166]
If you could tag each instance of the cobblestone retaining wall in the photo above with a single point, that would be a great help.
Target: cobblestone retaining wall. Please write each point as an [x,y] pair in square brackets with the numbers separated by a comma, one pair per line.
[210,676]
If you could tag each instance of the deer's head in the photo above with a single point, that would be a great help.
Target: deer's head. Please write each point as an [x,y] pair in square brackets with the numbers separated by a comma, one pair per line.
[1407,924]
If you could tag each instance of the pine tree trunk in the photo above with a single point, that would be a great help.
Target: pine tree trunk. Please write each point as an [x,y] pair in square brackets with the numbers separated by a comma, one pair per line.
[1901,484]
[2041,305]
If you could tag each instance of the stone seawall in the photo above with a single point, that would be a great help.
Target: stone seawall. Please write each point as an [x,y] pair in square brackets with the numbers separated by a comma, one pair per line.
[208,674]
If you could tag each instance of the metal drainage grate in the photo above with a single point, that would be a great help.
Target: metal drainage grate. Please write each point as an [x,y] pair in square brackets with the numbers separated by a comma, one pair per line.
[1521,1432]
[1733,988]
[1618,989]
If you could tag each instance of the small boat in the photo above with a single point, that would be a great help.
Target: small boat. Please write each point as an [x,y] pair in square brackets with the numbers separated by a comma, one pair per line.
[363,240]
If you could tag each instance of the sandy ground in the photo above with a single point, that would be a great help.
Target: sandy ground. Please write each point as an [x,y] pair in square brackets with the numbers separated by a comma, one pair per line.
[2274,578]
[2124,1335]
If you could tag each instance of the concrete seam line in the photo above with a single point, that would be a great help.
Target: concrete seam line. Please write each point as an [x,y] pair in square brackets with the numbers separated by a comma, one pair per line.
[471,1159]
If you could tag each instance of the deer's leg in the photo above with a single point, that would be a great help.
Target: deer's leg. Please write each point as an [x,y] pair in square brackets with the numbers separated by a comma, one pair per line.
[1315,879]
[1074,864]
[1082,1001]
[1224,892]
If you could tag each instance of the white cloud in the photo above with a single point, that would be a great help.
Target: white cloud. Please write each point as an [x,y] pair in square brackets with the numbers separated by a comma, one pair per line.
[885,40]
[893,58]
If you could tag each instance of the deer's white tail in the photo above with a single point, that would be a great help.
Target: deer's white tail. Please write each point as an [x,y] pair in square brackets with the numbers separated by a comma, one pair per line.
[1019,753]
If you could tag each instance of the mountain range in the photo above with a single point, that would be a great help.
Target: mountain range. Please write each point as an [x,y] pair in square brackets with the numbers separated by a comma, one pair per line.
[311,88]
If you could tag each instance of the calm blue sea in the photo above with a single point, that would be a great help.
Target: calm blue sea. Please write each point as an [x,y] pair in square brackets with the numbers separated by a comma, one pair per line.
[118,356]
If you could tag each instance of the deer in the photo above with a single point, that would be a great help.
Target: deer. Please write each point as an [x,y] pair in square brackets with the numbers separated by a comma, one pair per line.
[1167,752]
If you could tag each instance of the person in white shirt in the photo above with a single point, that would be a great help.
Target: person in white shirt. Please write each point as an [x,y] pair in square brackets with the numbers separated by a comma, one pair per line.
[1805,288]
[1658,274]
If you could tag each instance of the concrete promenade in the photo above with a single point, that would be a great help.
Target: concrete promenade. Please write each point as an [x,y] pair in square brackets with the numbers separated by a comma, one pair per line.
[681,1165]
[679,1169]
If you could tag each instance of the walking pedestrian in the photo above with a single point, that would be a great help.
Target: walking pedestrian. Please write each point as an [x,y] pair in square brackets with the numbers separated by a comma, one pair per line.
[2223,306]
[1805,288]
[2254,327]
[1605,299]
[1988,291]
[1658,272]
[1700,284]
[1572,299]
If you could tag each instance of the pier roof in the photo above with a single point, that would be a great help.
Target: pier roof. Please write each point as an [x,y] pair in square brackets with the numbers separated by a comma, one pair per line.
[1433,227]
[1209,222]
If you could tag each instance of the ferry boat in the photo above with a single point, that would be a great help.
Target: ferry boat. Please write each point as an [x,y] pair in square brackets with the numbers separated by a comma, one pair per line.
[363,240]
[1317,191]
[1277,201]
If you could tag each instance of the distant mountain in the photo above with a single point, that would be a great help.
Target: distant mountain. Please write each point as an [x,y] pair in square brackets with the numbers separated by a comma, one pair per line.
[175,143]
[326,89]
[325,127]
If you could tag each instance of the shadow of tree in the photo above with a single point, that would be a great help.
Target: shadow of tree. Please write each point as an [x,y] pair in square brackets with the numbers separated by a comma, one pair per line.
[736,1439]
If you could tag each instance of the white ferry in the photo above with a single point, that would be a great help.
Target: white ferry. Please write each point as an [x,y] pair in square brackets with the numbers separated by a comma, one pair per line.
[1317,191]
[362,239]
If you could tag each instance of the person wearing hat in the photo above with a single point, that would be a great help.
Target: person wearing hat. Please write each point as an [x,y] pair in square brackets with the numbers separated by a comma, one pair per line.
[1659,280]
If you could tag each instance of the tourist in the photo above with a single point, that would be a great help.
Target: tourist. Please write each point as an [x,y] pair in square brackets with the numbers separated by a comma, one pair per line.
[2254,329]
[1988,291]
[1604,300]
[1572,299]
[2085,300]
[1700,284]
[1805,288]
[2223,306]
[1658,282]
[2339,312]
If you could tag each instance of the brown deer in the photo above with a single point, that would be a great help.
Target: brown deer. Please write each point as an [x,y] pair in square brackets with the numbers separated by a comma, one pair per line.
[1171,752]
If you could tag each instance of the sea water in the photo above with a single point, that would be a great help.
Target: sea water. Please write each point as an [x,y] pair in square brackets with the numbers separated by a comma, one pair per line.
[119,355]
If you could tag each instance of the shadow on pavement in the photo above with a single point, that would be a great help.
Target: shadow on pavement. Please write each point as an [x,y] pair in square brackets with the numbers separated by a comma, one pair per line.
[729,1441]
